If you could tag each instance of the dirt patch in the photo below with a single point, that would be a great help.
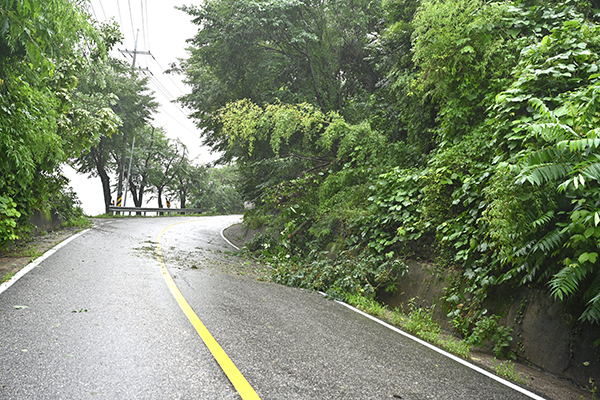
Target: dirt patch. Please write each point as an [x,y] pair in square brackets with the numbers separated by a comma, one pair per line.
[21,254]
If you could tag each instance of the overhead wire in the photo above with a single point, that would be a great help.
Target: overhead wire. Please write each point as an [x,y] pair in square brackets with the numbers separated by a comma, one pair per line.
[154,80]
[121,21]
[164,90]
[177,108]
[143,27]
[147,24]
[103,12]
[196,135]
[131,18]
[168,76]
[93,11]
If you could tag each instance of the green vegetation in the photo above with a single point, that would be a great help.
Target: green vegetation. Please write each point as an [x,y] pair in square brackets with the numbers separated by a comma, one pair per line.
[64,99]
[216,191]
[44,49]
[461,133]
[31,252]
[7,277]
[593,389]
[421,322]
[506,369]
[366,133]
[418,321]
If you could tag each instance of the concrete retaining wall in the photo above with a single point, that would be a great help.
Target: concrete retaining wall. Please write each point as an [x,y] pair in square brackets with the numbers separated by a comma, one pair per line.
[45,222]
[545,332]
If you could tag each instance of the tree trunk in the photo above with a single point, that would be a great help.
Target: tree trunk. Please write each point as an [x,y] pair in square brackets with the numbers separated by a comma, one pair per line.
[136,201]
[314,79]
[159,191]
[105,189]
[182,195]
[104,178]
[182,198]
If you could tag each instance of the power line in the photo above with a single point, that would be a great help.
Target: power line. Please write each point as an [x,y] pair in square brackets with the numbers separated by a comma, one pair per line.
[164,89]
[165,92]
[176,120]
[102,7]
[121,20]
[93,11]
[168,76]
[143,25]
[154,80]
[147,24]
[131,18]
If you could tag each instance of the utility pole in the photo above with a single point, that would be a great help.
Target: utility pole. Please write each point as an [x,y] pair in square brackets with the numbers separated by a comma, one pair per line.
[135,51]
[128,174]
[120,193]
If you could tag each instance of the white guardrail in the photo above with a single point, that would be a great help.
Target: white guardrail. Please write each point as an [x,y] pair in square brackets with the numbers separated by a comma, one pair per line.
[159,211]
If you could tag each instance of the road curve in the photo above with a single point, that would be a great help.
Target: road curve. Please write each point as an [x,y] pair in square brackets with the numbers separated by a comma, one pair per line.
[97,320]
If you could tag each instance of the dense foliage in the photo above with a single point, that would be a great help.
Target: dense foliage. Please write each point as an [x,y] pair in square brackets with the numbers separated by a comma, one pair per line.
[464,133]
[64,99]
[216,190]
[44,48]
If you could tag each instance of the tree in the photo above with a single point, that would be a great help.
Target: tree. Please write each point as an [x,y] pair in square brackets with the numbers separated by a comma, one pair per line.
[216,190]
[268,51]
[93,101]
[188,178]
[129,98]
[422,138]
[43,49]
[168,157]
[278,143]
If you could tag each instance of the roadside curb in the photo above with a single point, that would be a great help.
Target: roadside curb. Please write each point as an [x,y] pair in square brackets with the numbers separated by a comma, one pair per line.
[227,240]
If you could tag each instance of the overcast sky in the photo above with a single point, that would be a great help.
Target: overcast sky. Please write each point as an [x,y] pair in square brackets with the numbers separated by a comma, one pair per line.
[163,30]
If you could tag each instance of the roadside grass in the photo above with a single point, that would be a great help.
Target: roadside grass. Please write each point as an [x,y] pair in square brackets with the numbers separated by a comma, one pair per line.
[30,252]
[77,222]
[418,321]
[7,277]
[506,370]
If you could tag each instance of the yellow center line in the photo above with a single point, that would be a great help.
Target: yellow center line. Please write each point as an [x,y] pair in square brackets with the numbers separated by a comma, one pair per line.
[233,373]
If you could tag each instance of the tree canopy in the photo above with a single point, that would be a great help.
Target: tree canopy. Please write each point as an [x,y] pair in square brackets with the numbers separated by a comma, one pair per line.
[461,132]
[288,51]
[63,99]
[44,49]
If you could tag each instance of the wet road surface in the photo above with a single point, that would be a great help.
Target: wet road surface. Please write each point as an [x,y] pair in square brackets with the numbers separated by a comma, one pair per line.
[96,320]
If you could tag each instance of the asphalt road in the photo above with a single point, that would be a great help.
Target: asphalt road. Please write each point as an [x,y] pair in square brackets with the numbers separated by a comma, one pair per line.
[97,320]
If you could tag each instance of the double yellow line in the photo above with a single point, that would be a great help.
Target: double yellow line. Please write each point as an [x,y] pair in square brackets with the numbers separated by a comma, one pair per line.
[233,373]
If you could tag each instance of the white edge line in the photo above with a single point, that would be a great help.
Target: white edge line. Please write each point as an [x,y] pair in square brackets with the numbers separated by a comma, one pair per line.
[446,354]
[227,240]
[38,261]
[426,344]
